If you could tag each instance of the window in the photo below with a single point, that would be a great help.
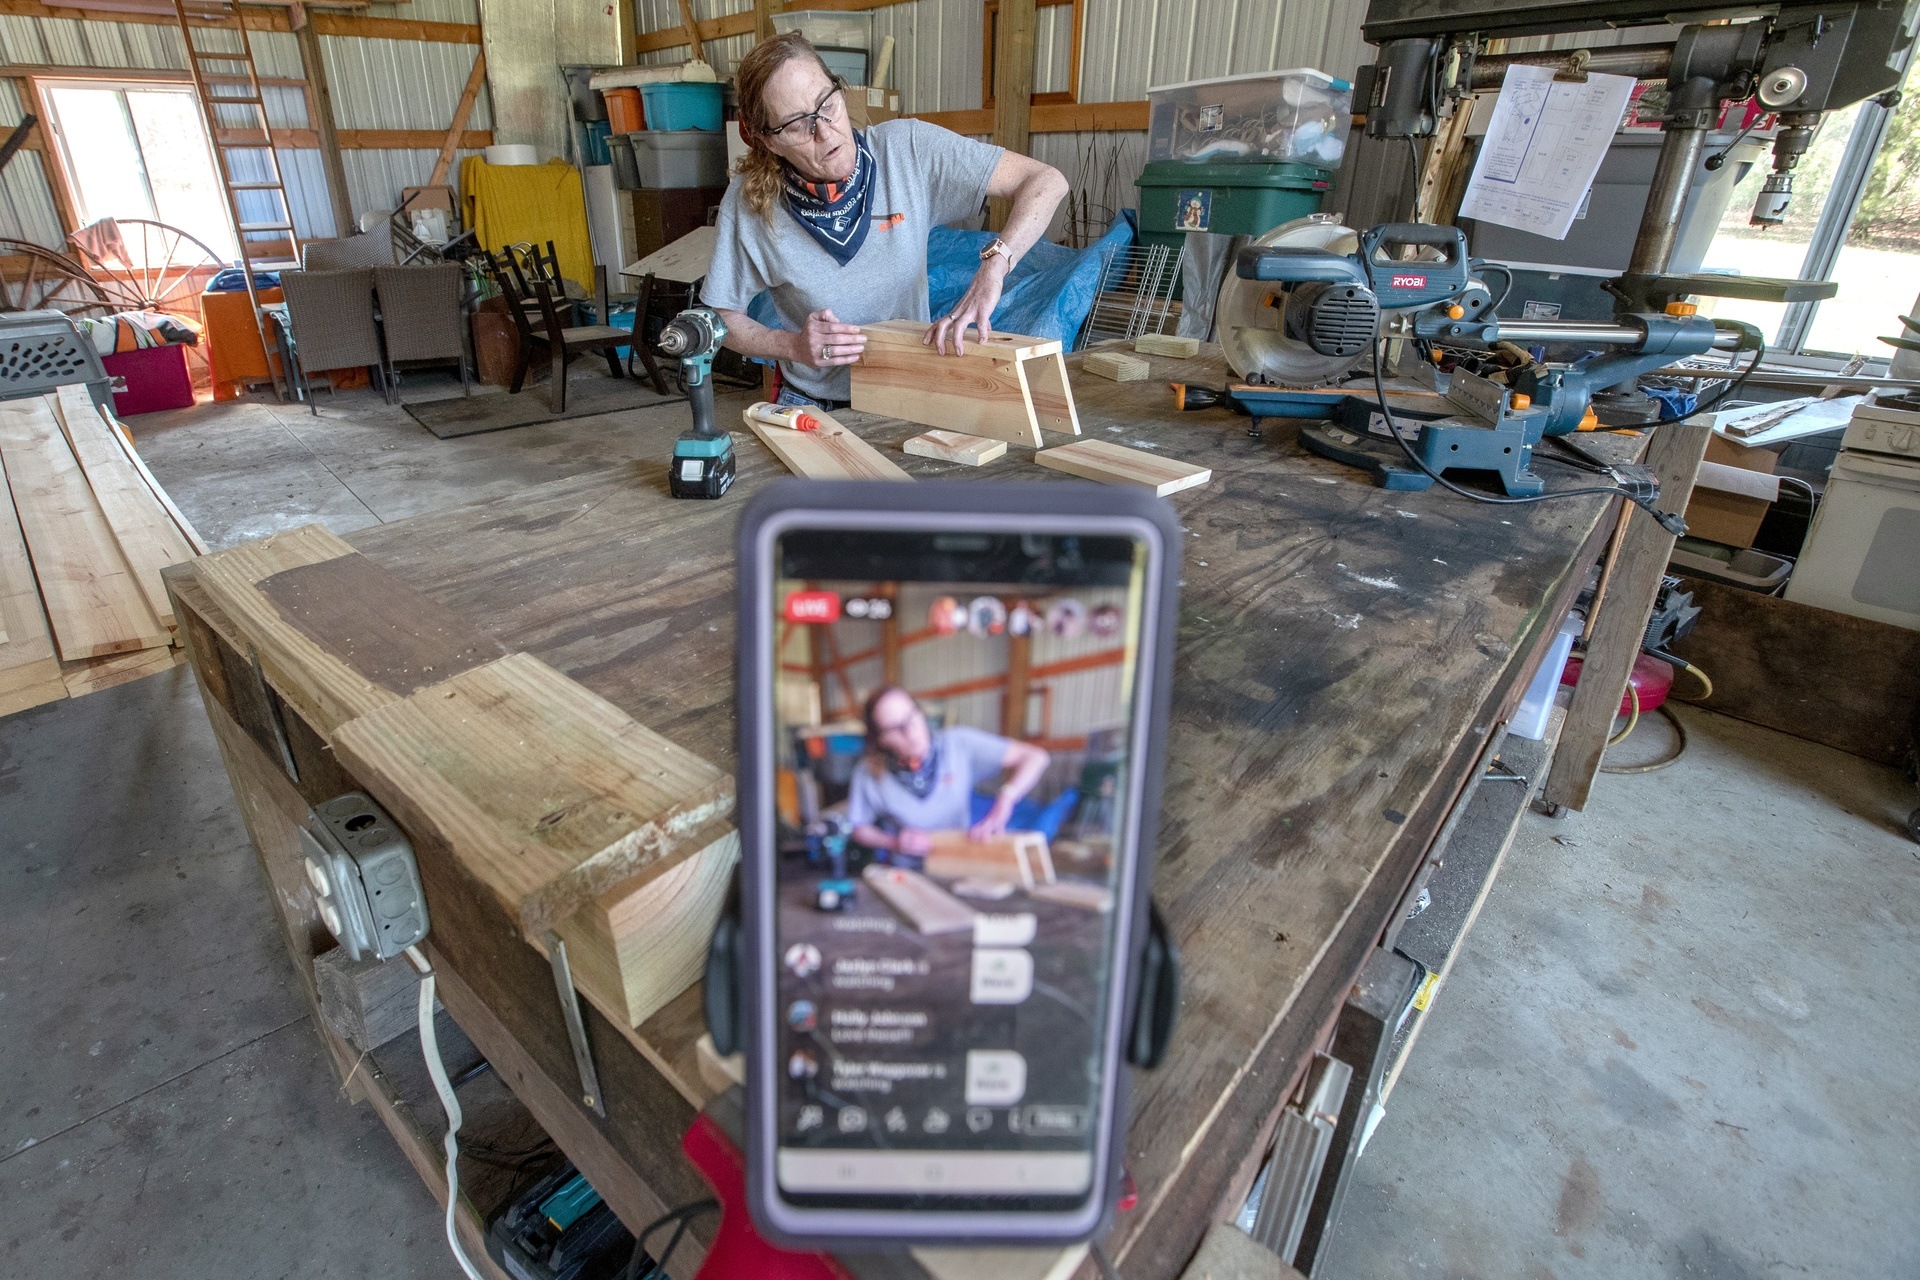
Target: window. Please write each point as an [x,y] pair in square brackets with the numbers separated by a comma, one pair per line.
[139,151]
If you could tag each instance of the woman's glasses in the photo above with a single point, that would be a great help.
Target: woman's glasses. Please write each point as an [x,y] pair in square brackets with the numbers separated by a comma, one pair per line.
[804,128]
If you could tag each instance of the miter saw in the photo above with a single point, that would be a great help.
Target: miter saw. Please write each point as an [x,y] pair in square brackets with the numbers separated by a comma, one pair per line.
[1311,299]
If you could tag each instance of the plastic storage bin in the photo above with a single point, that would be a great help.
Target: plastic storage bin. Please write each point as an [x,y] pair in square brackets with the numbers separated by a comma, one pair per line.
[671,160]
[626,173]
[1299,115]
[596,135]
[624,114]
[149,379]
[1231,199]
[681,105]
[825,26]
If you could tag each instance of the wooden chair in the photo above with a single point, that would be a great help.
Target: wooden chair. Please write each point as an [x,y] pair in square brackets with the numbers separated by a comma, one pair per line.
[529,299]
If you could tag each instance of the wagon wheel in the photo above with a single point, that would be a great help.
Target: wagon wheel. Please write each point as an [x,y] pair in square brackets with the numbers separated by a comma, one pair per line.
[33,278]
[165,269]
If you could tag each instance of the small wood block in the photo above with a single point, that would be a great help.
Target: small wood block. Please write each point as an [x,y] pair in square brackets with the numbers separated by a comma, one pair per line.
[546,793]
[955,446]
[1116,365]
[1117,464]
[1019,856]
[644,941]
[94,604]
[926,906]
[1166,344]
[831,453]
[366,1002]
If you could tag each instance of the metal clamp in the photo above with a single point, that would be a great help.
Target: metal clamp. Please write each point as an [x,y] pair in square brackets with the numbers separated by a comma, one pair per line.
[576,1026]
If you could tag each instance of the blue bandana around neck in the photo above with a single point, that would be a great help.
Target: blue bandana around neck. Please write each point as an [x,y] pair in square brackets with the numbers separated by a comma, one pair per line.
[834,213]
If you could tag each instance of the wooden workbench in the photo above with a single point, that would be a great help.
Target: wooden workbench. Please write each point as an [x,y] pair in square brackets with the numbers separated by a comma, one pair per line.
[1344,654]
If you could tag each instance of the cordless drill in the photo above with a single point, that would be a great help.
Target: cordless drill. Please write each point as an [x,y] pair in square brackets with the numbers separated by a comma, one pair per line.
[703,457]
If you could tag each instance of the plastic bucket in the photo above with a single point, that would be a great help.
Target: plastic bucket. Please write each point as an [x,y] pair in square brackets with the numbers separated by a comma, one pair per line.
[624,112]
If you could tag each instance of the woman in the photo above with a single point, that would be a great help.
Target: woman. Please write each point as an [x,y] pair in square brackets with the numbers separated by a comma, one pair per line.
[917,779]
[834,222]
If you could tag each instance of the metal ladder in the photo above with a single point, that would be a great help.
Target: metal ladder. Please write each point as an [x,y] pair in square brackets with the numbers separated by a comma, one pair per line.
[239,114]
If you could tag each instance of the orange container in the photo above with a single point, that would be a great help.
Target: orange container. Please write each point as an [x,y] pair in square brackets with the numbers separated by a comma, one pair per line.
[623,111]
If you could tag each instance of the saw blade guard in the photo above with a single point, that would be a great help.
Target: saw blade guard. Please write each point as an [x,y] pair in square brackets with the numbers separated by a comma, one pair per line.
[1250,315]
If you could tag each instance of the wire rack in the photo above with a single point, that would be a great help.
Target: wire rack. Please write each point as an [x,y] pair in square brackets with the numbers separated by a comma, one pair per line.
[1136,293]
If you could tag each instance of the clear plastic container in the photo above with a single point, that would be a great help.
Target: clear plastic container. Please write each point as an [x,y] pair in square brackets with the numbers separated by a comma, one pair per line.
[1299,115]
[828,27]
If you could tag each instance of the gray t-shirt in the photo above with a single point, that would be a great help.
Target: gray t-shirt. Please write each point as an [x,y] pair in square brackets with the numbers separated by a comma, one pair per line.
[967,756]
[924,177]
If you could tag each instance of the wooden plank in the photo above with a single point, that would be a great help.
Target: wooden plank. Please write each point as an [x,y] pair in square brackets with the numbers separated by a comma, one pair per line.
[321,117]
[91,675]
[1851,683]
[1050,394]
[124,439]
[94,605]
[28,665]
[341,24]
[1614,640]
[1117,464]
[684,261]
[476,79]
[746,23]
[323,685]
[547,794]
[830,453]
[955,446]
[145,533]
[910,336]
[921,902]
[640,944]
[1062,117]
[1116,366]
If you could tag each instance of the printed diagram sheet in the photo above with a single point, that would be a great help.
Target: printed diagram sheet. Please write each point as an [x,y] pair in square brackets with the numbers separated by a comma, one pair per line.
[1543,147]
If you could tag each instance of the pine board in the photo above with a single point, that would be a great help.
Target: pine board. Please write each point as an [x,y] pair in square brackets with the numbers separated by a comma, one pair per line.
[27,660]
[955,446]
[831,453]
[910,336]
[94,604]
[95,674]
[982,393]
[32,695]
[924,904]
[547,794]
[1115,366]
[1018,856]
[145,532]
[1117,464]
[1166,344]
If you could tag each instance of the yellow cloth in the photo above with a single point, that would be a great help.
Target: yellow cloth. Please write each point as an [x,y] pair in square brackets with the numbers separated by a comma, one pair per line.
[511,203]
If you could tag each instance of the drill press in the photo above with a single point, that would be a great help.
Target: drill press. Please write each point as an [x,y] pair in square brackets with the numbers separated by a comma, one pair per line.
[703,457]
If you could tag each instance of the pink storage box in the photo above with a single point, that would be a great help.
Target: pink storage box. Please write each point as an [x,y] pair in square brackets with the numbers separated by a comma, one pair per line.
[149,379]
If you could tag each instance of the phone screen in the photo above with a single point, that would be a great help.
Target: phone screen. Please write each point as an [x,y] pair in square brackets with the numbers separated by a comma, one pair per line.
[955,719]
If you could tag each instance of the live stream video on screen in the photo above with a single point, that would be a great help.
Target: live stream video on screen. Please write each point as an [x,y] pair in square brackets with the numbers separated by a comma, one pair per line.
[952,762]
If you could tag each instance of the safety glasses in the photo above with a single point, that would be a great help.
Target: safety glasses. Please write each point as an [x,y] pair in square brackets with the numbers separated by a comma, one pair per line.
[831,109]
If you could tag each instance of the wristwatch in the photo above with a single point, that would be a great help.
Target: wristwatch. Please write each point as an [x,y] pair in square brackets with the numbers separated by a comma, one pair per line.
[1000,247]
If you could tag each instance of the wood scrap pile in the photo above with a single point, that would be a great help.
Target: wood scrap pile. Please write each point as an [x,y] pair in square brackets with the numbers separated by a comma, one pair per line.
[84,532]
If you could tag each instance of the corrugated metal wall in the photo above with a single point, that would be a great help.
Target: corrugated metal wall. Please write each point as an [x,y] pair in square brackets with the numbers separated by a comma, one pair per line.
[376,83]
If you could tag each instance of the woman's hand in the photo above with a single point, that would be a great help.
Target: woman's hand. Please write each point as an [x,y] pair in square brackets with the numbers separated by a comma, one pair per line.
[994,823]
[976,309]
[825,341]
[912,841]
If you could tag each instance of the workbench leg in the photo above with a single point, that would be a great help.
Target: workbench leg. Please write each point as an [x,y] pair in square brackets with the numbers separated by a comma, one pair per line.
[1621,623]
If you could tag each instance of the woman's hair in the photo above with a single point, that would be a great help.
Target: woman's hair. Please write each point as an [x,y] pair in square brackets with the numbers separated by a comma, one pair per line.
[877,756]
[760,170]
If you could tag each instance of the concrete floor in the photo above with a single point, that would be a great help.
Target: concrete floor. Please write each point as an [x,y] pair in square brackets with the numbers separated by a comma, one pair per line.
[1676,1044]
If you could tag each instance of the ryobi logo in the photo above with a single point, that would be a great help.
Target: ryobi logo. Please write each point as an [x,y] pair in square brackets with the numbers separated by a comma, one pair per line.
[1409,282]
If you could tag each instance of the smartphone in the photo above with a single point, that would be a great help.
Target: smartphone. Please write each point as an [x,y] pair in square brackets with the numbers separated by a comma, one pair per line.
[952,703]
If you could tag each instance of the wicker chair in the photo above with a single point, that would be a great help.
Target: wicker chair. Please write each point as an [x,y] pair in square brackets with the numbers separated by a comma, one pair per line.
[421,316]
[370,249]
[544,326]
[331,314]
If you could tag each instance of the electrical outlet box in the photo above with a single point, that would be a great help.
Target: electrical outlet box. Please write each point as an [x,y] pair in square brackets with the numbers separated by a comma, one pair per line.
[364,877]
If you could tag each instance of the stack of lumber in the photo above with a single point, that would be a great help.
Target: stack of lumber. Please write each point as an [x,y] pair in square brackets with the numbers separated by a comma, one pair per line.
[84,532]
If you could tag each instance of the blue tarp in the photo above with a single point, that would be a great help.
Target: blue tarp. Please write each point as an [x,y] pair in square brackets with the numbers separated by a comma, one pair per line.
[1048,295]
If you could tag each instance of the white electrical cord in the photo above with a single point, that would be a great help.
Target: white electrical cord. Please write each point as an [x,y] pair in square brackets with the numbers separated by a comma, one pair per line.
[430,1050]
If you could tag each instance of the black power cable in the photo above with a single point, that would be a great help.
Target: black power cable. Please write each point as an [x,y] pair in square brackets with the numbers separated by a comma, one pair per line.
[1759,354]
[1671,523]
[681,1219]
